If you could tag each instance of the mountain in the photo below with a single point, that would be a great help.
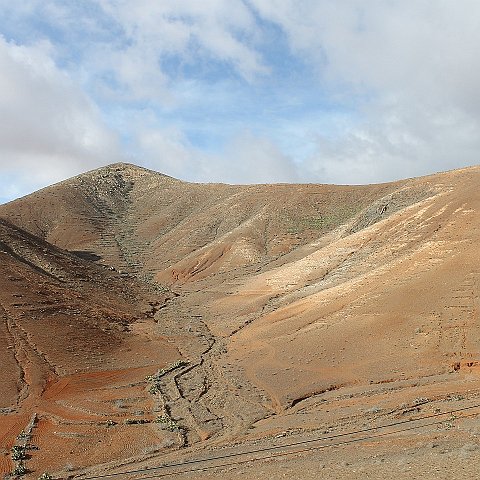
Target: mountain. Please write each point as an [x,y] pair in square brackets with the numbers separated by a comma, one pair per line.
[173,231]
[292,309]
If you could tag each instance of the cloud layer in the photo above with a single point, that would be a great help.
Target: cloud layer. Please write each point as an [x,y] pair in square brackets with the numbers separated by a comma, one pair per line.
[238,91]
[50,128]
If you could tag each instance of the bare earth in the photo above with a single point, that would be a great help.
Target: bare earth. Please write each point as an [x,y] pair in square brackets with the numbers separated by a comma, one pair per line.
[304,331]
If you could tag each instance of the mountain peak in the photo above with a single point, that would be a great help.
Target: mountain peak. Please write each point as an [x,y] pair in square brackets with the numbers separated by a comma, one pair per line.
[126,169]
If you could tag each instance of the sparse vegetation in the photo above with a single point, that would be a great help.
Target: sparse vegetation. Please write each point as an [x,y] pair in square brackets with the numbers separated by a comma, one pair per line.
[154,388]
[159,288]
[19,452]
[154,380]
[319,315]
[45,476]
[322,221]
[136,421]
[20,470]
[167,422]
[455,398]
[23,436]
[164,371]
[120,403]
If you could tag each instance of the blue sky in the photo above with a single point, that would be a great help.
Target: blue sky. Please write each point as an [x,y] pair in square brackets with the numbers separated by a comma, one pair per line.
[239,91]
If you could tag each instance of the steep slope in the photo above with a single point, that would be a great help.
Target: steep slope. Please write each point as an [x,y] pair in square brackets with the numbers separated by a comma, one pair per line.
[372,323]
[144,222]
[301,308]
[406,287]
[87,214]
[68,328]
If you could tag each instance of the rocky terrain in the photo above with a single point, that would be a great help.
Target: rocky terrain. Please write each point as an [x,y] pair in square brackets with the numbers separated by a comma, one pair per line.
[264,330]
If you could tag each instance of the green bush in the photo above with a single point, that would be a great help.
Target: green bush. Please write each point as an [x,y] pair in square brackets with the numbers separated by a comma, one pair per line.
[167,422]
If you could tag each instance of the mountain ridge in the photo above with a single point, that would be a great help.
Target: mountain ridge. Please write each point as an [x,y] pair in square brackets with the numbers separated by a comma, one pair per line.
[256,311]
[113,199]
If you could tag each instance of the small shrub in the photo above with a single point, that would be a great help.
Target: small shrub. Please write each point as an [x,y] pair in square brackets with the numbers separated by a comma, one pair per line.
[154,388]
[136,421]
[18,456]
[45,476]
[455,398]
[20,470]
[420,401]
[167,422]
[18,452]
[180,363]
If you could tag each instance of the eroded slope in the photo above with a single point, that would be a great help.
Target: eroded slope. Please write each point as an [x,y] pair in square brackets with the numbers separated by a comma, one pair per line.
[76,339]
[300,308]
[175,232]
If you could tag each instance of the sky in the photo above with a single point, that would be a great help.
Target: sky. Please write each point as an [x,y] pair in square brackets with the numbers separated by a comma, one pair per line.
[238,91]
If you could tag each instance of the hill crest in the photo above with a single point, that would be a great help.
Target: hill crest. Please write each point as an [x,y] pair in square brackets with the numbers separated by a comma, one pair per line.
[295,310]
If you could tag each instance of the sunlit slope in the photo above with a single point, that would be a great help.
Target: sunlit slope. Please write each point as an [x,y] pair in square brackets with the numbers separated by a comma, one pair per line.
[175,232]
[396,300]
[300,309]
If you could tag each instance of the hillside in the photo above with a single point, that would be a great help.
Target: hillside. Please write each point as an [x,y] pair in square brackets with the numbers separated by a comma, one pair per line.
[145,222]
[303,310]
[67,325]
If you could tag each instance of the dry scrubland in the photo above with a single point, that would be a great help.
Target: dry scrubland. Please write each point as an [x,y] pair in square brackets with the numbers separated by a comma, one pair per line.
[148,321]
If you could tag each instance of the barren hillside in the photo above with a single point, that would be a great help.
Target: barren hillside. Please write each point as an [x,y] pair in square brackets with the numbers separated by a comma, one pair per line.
[300,312]
[68,325]
[173,231]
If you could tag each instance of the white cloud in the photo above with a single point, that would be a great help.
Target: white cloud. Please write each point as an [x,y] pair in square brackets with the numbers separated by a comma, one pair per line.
[247,158]
[399,79]
[211,30]
[167,151]
[418,68]
[410,70]
[396,140]
[50,129]
[252,159]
